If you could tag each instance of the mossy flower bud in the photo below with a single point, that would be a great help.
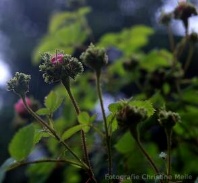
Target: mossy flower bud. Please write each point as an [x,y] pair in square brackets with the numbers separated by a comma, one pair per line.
[59,67]
[168,119]
[131,64]
[94,57]
[165,18]
[19,83]
[193,38]
[129,116]
[184,11]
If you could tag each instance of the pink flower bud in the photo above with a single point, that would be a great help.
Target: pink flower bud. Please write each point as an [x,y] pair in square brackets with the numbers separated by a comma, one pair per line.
[58,58]
[20,107]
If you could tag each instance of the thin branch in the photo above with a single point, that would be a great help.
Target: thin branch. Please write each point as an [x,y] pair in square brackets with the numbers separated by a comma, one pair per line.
[77,109]
[108,140]
[43,123]
[24,163]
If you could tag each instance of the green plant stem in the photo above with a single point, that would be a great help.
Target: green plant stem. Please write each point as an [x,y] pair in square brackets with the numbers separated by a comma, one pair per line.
[179,49]
[108,140]
[98,131]
[171,38]
[77,109]
[189,58]
[44,124]
[135,134]
[147,156]
[23,163]
[168,137]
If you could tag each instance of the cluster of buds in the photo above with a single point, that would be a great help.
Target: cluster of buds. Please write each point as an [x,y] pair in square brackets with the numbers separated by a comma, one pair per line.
[59,67]
[128,118]
[168,75]
[182,12]
[193,38]
[94,57]
[168,119]
[19,83]
[131,64]
[165,18]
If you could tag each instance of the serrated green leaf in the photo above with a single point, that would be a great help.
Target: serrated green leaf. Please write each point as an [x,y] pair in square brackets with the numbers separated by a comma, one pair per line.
[190,96]
[53,102]
[128,40]
[156,59]
[166,88]
[86,128]
[49,43]
[39,134]
[59,20]
[68,133]
[146,104]
[84,10]
[66,19]
[84,118]
[124,145]
[22,143]
[114,107]
[49,100]
[66,31]
[157,100]
[93,118]
[43,111]
[112,122]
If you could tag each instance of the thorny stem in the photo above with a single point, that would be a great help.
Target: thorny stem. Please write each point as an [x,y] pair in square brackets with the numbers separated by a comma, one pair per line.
[135,134]
[108,140]
[168,137]
[77,109]
[23,163]
[44,124]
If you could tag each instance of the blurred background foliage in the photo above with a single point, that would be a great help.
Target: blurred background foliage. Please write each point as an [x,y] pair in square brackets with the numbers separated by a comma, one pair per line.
[140,66]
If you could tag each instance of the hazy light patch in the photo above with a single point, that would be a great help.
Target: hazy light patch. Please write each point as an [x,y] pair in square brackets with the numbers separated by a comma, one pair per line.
[4,73]
[129,7]
[107,99]
[169,5]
